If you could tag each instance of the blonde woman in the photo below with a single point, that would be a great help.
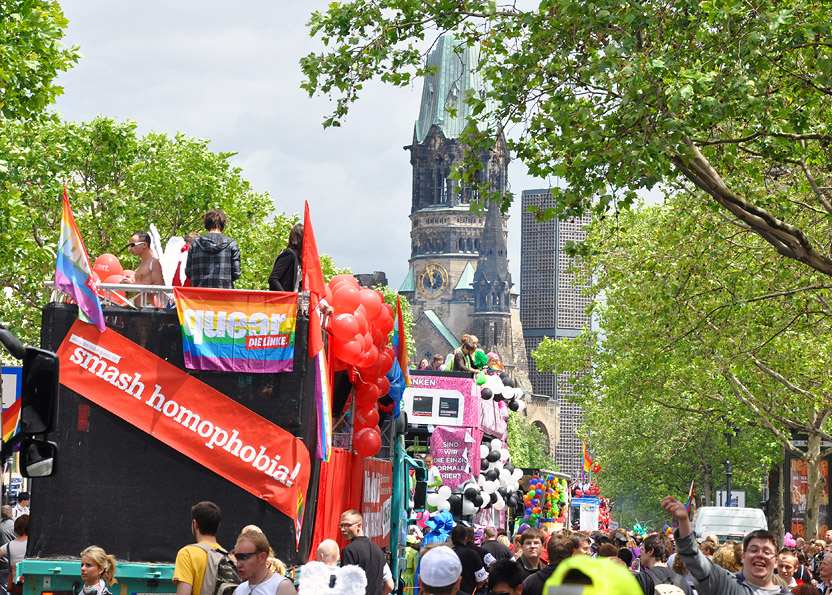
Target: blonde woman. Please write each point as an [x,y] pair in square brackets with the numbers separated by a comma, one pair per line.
[98,569]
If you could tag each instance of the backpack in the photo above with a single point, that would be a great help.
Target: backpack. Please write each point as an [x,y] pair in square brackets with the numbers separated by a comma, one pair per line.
[221,576]
[666,582]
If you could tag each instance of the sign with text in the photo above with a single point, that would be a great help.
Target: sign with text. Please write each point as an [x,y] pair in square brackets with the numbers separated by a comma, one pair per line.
[187,415]
[237,331]
[376,500]
[456,453]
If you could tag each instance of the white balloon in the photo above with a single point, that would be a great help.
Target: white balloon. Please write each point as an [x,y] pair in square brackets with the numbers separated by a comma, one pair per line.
[514,486]
[444,505]
[481,480]
[494,383]
[522,406]
[498,466]
[444,492]
[505,476]
[490,487]
[484,450]
[499,504]
[504,454]
[468,507]
[434,499]
[517,474]
[496,444]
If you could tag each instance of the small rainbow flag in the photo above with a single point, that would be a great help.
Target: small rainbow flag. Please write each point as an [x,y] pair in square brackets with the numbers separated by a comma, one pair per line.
[690,497]
[72,270]
[587,460]
[11,420]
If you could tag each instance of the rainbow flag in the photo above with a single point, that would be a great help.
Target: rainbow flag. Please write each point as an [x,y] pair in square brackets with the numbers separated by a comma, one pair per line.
[237,331]
[400,342]
[72,270]
[587,460]
[690,497]
[11,420]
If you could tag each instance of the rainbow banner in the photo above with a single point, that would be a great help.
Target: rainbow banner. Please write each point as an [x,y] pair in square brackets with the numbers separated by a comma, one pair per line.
[72,269]
[237,331]
[12,386]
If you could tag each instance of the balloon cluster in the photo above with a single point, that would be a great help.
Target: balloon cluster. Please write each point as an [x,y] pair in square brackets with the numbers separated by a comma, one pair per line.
[495,487]
[502,388]
[108,269]
[361,325]
[580,490]
[546,499]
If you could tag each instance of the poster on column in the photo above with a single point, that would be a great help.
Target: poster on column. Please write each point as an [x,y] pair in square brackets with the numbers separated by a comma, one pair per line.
[376,501]
[589,517]
[456,452]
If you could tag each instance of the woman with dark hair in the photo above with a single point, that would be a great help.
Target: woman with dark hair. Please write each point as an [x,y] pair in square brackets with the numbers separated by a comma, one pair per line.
[15,550]
[286,275]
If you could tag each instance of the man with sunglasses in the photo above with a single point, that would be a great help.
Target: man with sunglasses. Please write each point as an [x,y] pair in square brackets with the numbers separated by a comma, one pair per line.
[149,271]
[252,554]
[364,553]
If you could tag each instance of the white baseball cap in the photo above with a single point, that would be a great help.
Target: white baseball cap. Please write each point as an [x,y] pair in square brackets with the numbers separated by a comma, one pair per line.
[440,567]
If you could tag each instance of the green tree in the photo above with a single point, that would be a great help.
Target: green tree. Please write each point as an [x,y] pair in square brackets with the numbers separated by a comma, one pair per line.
[701,318]
[118,182]
[613,98]
[528,445]
[32,56]
[390,296]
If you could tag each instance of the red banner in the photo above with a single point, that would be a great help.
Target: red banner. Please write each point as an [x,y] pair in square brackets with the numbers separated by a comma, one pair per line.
[376,500]
[187,415]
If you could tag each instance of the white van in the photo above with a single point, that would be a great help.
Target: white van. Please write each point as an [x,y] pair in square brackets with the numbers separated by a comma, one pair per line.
[727,522]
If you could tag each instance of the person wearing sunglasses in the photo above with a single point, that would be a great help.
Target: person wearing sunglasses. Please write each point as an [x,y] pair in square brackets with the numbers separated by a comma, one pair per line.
[149,271]
[252,554]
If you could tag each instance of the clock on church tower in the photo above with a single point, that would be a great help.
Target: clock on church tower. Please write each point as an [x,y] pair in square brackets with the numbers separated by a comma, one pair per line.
[432,280]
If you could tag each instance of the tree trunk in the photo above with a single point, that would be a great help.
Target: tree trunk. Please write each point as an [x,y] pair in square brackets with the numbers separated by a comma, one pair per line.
[815,486]
[776,492]
[706,487]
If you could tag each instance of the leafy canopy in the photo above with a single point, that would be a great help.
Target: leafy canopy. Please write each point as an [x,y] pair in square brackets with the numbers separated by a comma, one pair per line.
[614,98]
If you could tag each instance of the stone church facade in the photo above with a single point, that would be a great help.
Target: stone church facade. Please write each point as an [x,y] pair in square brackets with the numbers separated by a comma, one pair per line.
[458,281]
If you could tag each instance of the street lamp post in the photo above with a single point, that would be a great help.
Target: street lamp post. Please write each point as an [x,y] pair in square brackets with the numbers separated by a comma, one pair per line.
[733,430]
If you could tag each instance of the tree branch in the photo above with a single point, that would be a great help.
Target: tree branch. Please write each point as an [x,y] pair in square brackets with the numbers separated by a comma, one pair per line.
[818,192]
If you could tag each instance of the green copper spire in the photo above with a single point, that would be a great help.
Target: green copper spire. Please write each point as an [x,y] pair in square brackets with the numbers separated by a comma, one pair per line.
[456,73]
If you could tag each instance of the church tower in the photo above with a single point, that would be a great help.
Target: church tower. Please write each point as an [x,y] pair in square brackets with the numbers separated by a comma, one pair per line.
[449,243]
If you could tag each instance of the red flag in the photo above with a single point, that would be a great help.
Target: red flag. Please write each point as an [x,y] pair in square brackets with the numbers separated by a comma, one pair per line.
[313,282]
[313,276]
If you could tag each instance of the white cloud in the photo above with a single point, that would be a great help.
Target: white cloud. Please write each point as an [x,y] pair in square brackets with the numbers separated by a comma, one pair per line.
[229,72]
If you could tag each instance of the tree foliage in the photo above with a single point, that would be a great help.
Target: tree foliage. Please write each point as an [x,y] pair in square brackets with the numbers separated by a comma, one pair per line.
[32,56]
[731,98]
[528,445]
[701,319]
[118,182]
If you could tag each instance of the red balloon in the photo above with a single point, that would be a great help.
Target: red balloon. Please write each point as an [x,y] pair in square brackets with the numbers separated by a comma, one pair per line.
[130,275]
[366,417]
[338,365]
[344,327]
[383,386]
[369,358]
[349,352]
[378,338]
[386,361]
[367,442]
[114,278]
[328,295]
[366,395]
[361,319]
[384,323]
[371,300]
[106,265]
[345,298]
[344,278]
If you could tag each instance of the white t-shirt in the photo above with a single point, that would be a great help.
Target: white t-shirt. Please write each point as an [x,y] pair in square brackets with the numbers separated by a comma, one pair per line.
[267,587]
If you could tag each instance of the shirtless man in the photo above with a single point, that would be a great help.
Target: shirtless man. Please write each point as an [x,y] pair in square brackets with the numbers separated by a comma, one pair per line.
[149,271]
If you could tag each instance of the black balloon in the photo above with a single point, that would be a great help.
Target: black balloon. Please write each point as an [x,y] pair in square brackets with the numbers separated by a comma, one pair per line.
[508,381]
[471,493]
[514,406]
[478,501]
[486,393]
[493,497]
[509,466]
[483,464]
[492,475]
[512,501]
[504,375]
[503,492]
[498,397]
[493,456]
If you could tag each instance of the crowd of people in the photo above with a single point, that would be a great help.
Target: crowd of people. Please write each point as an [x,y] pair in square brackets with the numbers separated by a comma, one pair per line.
[468,357]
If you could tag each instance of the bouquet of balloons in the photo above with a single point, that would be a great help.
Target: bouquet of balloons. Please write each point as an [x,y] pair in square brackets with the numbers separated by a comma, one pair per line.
[546,499]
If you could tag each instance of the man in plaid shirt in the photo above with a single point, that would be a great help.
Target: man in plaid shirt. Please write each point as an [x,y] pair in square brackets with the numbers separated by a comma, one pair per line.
[214,258]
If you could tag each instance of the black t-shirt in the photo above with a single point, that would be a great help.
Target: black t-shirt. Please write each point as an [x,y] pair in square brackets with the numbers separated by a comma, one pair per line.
[660,575]
[526,571]
[473,570]
[364,553]
[497,549]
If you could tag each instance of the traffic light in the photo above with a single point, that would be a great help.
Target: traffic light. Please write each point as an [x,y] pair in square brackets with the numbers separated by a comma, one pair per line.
[39,392]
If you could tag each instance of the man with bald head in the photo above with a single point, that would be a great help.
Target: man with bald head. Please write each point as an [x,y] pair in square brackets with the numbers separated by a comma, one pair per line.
[328,552]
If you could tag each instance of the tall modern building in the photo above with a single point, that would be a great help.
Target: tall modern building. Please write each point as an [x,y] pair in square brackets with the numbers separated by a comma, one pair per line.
[458,281]
[552,305]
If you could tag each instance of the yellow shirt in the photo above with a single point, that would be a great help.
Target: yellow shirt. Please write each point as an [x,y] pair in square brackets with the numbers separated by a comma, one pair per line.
[190,566]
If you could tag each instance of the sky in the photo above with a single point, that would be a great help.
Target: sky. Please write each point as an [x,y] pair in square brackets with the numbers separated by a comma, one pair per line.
[229,73]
